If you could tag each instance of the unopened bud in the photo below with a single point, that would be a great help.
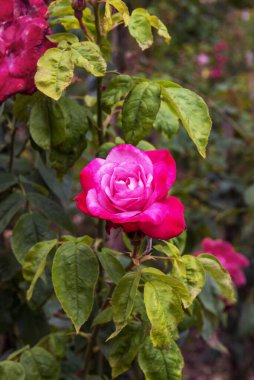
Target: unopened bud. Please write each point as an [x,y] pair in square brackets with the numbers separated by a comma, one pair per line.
[78,5]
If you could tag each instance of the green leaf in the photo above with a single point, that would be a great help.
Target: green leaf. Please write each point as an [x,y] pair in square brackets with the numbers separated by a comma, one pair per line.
[178,286]
[88,56]
[162,29]
[193,113]
[194,277]
[11,371]
[9,207]
[59,37]
[52,210]
[40,365]
[75,274]
[55,343]
[34,263]
[219,274]
[249,195]
[140,28]
[118,87]
[111,265]
[123,298]
[180,241]
[145,146]
[55,72]
[86,239]
[122,8]
[163,307]
[103,317]
[29,230]
[139,111]
[125,348]
[166,121]
[7,180]
[159,364]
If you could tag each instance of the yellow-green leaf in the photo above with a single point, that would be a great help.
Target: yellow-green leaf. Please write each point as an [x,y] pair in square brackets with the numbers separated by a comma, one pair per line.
[162,29]
[219,274]
[164,311]
[88,56]
[55,72]
[161,364]
[140,28]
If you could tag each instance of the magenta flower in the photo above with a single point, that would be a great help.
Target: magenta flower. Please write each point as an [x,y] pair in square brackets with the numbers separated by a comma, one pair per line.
[11,9]
[22,42]
[202,59]
[231,260]
[130,189]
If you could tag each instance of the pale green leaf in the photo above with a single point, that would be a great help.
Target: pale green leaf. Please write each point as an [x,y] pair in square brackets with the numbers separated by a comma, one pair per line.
[140,28]
[176,284]
[29,230]
[55,72]
[34,263]
[158,364]
[193,113]
[125,347]
[219,274]
[75,274]
[194,277]
[88,56]
[162,29]
[11,371]
[140,110]
[164,310]
[9,207]
[39,364]
[122,8]
[111,265]
[60,37]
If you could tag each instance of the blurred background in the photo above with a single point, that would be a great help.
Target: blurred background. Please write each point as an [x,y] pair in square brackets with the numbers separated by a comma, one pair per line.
[211,52]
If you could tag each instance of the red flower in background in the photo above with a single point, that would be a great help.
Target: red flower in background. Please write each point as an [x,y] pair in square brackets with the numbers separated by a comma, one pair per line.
[22,42]
[231,260]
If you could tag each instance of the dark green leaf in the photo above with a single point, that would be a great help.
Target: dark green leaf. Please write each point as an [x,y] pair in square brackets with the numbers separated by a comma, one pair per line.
[29,230]
[111,265]
[118,87]
[39,364]
[75,273]
[166,121]
[7,180]
[9,207]
[103,317]
[139,111]
[125,348]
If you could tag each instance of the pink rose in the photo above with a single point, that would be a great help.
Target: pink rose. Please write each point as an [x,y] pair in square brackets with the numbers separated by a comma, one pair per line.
[22,42]
[11,9]
[202,59]
[231,260]
[130,189]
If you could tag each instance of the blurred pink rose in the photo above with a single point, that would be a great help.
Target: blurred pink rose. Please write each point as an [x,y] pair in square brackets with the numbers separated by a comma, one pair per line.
[231,260]
[130,189]
[22,42]
[202,59]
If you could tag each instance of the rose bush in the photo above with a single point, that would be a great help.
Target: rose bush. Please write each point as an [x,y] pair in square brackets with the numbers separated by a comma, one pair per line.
[22,42]
[231,260]
[130,189]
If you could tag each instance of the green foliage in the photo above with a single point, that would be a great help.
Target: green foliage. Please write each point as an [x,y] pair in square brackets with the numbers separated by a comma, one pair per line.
[75,274]
[30,229]
[139,111]
[160,364]
[9,207]
[111,265]
[123,299]
[12,371]
[164,311]
[39,364]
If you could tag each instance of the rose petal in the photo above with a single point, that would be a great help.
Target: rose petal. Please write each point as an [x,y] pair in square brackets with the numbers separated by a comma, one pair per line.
[130,155]
[88,173]
[164,171]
